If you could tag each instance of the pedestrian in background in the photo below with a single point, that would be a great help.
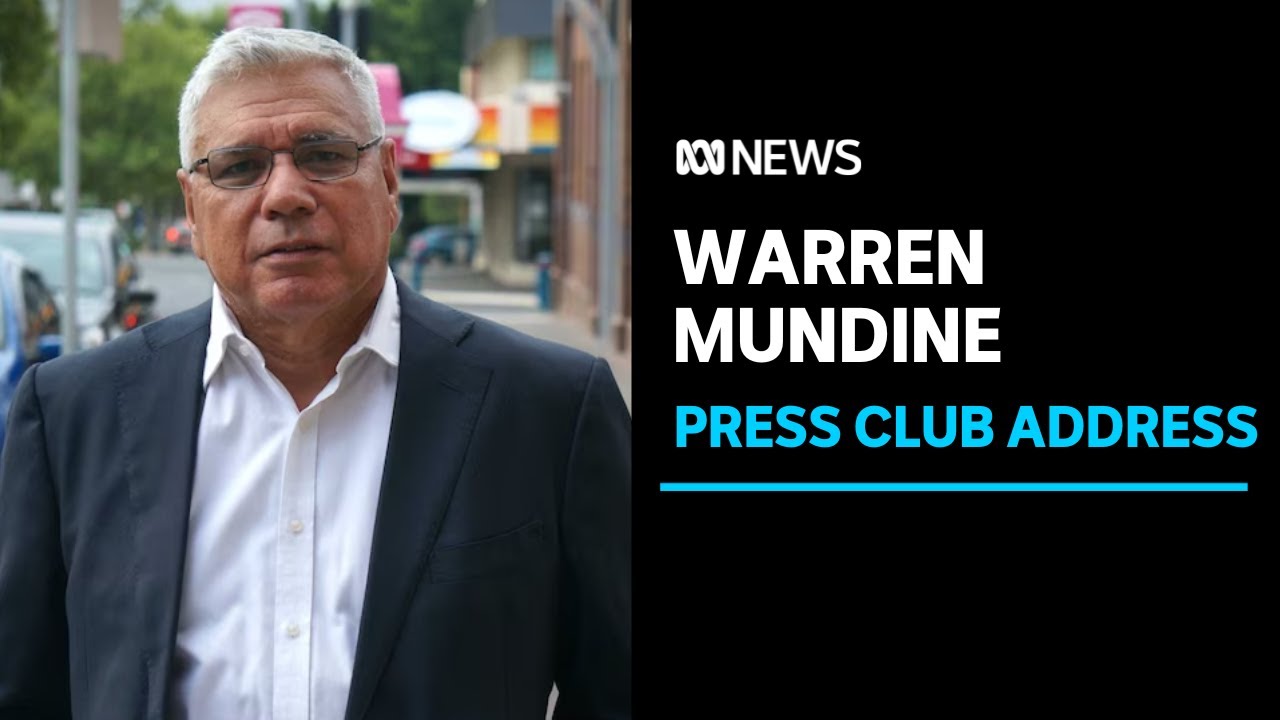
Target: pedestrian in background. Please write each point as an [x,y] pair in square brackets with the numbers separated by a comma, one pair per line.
[318,495]
[418,257]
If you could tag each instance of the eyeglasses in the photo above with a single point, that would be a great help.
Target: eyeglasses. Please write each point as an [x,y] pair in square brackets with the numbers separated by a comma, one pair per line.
[241,168]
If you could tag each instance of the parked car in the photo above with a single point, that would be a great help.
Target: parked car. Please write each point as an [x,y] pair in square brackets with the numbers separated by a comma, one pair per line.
[29,325]
[177,236]
[103,303]
[450,244]
[127,272]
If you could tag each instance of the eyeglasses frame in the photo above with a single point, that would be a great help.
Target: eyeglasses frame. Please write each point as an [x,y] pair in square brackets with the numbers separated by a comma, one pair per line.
[205,160]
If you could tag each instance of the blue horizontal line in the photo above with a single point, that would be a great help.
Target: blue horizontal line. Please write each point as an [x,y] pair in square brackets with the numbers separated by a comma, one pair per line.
[956,487]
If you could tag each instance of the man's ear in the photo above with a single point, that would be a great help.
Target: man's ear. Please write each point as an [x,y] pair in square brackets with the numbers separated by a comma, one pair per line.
[391,175]
[186,182]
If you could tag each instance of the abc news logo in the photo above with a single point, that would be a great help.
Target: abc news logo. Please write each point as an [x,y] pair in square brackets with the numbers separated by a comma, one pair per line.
[768,157]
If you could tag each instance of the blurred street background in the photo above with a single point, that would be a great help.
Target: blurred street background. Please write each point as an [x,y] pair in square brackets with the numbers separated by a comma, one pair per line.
[181,281]
[511,120]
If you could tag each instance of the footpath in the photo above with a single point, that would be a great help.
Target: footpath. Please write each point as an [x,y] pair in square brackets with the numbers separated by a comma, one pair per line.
[476,293]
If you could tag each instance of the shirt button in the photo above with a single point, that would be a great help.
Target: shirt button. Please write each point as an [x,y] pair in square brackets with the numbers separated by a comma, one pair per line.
[295,526]
[244,351]
[292,630]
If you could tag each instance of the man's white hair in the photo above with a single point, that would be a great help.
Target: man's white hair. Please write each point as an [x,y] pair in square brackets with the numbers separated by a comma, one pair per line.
[250,49]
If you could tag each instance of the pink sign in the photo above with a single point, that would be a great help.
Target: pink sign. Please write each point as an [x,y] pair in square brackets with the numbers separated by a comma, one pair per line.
[239,16]
[388,77]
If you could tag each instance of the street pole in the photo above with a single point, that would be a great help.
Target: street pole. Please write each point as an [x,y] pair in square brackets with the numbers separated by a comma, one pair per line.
[349,23]
[299,15]
[70,172]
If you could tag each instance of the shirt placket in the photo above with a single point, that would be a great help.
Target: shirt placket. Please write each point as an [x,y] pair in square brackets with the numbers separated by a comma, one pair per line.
[295,564]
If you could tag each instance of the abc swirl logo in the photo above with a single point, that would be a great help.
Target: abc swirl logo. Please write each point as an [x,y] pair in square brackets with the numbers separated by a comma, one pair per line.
[700,157]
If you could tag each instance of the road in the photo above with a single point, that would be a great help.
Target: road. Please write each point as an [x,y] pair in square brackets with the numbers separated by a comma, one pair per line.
[180,281]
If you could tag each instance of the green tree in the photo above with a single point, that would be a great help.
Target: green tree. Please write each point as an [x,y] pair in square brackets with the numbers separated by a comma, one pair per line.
[26,53]
[425,38]
[29,130]
[26,40]
[128,113]
[129,110]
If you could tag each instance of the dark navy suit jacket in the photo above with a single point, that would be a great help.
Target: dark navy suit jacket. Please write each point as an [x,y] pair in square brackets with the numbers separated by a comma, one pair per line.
[501,553]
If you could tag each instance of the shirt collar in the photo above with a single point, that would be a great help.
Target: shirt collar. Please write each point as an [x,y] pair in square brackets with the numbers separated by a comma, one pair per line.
[381,334]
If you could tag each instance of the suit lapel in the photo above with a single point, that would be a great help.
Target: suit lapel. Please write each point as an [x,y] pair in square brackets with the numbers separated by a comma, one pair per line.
[160,394]
[438,398]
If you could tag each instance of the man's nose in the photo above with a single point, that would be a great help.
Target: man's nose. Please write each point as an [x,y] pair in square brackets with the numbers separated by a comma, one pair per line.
[287,192]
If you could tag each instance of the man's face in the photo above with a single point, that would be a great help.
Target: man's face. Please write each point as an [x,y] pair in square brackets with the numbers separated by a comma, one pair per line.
[292,250]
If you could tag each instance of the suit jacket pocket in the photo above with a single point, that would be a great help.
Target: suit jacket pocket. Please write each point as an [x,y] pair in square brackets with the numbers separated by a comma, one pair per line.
[491,556]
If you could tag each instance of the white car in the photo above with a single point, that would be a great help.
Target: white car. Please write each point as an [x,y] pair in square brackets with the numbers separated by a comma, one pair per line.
[39,237]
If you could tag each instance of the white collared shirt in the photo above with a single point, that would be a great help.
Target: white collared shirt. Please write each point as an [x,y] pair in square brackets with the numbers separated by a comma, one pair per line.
[281,524]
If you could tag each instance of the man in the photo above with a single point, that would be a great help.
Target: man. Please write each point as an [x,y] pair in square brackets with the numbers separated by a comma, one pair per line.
[319,495]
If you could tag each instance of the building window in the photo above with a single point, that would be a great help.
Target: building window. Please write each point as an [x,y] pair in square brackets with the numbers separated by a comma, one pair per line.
[542,60]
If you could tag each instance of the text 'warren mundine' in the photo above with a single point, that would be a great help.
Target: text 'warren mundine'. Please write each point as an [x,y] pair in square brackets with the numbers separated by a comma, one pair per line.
[824,253]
